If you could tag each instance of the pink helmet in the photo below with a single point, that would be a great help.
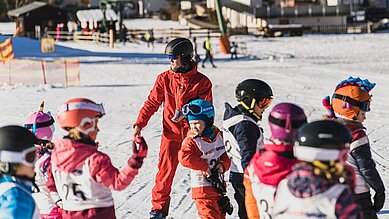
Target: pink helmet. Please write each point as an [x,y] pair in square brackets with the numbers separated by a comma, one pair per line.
[284,121]
[41,124]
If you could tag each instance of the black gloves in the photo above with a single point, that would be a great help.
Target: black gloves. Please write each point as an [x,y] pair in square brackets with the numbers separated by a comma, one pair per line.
[379,200]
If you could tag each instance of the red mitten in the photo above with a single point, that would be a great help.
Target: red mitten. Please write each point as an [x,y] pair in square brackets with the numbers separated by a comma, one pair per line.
[139,152]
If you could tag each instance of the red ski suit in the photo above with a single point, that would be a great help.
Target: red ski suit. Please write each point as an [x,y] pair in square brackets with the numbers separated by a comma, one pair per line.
[173,90]
[206,197]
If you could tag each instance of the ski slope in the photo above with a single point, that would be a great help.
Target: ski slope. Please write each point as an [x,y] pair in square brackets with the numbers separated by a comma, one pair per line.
[301,70]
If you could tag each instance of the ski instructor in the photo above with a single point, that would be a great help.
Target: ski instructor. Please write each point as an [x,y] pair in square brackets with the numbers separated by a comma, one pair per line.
[173,88]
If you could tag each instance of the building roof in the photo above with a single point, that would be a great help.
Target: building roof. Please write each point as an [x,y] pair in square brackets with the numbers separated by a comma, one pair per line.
[26,8]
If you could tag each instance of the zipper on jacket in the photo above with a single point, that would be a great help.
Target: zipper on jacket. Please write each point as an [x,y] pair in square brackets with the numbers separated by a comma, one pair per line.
[181,87]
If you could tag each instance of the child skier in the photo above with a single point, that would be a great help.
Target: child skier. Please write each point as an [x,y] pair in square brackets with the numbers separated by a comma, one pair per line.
[203,152]
[84,176]
[350,102]
[42,126]
[242,135]
[315,188]
[17,160]
[267,169]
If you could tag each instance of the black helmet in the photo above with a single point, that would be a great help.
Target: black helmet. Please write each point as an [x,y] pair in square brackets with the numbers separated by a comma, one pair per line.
[322,140]
[180,47]
[251,89]
[13,140]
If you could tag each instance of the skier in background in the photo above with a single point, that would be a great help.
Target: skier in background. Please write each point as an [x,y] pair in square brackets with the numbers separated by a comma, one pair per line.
[349,105]
[17,160]
[316,186]
[234,50]
[208,52]
[202,151]
[267,169]
[41,124]
[243,136]
[173,88]
[82,175]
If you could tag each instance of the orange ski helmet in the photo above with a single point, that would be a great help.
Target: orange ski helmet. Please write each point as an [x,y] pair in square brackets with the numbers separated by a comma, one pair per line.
[80,113]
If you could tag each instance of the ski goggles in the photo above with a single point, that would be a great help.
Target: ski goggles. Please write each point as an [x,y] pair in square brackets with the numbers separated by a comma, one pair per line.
[265,102]
[82,105]
[26,157]
[172,57]
[364,106]
[194,109]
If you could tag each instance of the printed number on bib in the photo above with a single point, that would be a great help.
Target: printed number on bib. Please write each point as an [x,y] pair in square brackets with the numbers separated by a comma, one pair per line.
[73,190]
[265,209]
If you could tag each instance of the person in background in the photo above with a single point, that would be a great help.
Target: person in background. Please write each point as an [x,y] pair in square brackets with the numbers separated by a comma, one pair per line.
[82,175]
[202,151]
[242,134]
[17,160]
[41,124]
[197,58]
[173,88]
[208,52]
[268,168]
[349,105]
[234,50]
[316,186]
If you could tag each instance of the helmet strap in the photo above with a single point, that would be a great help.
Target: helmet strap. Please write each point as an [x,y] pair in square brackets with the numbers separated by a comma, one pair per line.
[251,108]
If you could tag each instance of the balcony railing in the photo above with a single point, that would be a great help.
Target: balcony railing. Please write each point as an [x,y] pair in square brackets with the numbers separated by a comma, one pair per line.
[297,11]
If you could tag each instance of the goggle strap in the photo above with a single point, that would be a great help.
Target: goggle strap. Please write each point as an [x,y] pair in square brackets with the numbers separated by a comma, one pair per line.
[39,125]
[81,105]
[352,101]
[282,122]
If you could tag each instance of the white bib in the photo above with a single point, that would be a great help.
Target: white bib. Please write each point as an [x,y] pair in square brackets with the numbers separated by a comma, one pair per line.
[231,144]
[80,191]
[288,206]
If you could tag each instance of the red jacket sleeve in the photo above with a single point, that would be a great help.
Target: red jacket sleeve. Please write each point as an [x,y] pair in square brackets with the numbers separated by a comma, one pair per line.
[104,172]
[190,156]
[152,103]
[205,91]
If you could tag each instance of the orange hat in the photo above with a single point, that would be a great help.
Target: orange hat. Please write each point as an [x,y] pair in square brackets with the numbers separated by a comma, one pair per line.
[349,99]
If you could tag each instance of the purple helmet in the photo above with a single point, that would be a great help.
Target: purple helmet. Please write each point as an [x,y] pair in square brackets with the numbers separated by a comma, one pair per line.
[284,121]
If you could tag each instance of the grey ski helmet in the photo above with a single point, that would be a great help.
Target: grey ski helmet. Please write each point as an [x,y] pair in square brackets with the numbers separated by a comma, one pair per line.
[180,47]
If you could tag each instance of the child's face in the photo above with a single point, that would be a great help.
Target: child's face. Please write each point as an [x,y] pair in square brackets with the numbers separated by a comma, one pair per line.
[361,116]
[24,170]
[197,126]
[258,110]
[93,134]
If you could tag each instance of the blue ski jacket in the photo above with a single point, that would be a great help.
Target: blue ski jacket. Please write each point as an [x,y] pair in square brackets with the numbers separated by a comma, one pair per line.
[16,201]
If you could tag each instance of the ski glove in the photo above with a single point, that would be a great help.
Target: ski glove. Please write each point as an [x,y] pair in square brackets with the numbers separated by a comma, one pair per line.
[139,152]
[379,200]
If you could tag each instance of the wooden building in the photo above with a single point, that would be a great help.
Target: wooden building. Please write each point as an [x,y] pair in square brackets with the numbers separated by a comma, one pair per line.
[34,19]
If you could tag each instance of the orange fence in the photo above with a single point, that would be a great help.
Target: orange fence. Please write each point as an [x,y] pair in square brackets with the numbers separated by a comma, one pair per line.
[30,72]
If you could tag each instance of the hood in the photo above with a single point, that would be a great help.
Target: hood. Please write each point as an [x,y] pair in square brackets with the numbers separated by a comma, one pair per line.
[68,155]
[303,183]
[271,167]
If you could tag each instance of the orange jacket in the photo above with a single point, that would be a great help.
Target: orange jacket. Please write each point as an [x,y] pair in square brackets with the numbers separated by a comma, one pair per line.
[174,90]
[190,157]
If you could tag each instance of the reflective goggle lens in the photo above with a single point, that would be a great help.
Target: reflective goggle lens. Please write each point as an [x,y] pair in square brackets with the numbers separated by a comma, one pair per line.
[172,57]
[265,102]
[192,109]
[30,157]
[366,106]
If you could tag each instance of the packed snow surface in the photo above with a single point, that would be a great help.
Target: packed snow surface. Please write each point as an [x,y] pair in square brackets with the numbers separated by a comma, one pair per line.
[301,70]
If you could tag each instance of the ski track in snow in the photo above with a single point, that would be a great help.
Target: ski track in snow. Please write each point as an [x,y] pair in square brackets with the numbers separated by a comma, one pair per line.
[301,70]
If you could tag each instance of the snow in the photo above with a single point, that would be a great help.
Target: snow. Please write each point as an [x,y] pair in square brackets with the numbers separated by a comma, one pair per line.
[302,70]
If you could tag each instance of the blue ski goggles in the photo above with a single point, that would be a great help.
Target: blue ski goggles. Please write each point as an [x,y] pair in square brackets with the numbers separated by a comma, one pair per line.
[364,106]
[194,109]
[172,57]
